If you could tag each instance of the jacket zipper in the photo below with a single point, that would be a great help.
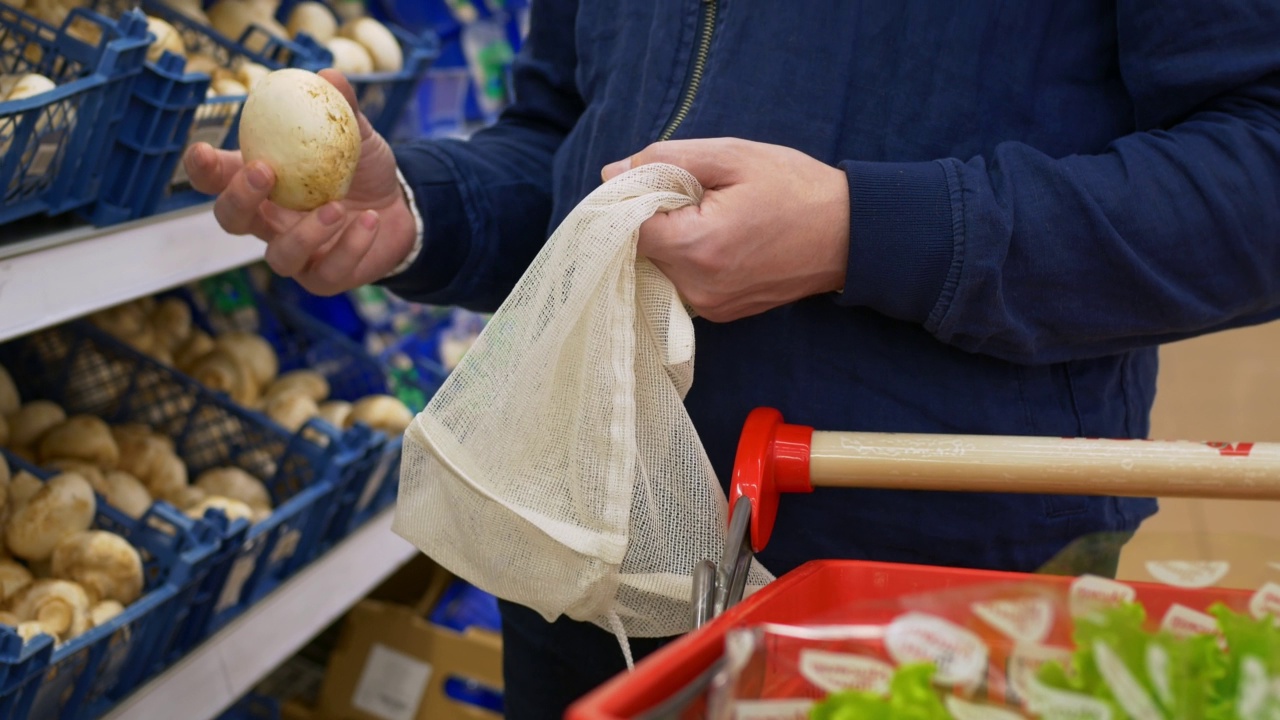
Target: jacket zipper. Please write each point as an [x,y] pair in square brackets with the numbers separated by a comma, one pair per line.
[706,26]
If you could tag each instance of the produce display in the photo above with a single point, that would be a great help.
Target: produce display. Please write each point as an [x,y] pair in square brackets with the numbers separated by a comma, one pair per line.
[241,364]
[129,466]
[62,578]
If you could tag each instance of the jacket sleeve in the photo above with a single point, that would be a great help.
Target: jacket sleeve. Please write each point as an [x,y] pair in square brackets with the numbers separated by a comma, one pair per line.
[1171,232]
[485,202]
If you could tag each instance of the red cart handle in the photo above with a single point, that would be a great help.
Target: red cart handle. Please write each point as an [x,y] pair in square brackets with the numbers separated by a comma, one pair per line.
[774,458]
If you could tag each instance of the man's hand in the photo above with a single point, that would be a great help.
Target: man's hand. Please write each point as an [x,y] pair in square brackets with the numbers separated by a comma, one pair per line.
[773,226]
[336,247]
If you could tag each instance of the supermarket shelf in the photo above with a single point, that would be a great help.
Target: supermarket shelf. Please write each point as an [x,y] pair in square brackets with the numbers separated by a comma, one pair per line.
[52,277]
[229,664]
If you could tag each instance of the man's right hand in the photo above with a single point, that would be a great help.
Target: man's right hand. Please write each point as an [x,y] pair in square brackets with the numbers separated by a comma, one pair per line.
[336,247]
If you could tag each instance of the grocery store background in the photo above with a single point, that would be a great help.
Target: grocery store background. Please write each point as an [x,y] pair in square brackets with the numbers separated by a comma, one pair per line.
[309,607]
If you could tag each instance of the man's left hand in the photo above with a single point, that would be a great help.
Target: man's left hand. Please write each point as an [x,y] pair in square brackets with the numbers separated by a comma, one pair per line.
[773,226]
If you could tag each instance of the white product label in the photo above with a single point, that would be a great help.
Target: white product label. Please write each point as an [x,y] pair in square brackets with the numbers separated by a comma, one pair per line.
[239,574]
[286,546]
[1185,622]
[376,478]
[960,656]
[1188,573]
[1025,662]
[1255,689]
[1158,671]
[834,672]
[1126,688]
[772,709]
[1266,601]
[391,685]
[214,133]
[1026,620]
[1090,592]
[45,153]
[1049,702]
[965,710]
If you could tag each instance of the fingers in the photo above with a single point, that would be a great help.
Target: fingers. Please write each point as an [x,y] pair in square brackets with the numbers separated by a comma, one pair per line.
[339,81]
[236,208]
[664,237]
[211,170]
[713,162]
[288,253]
[344,266]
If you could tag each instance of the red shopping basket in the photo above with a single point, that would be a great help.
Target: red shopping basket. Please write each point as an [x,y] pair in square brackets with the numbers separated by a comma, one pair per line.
[671,683]
[775,458]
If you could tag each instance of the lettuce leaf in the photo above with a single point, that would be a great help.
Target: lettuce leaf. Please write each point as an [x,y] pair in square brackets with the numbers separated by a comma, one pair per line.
[911,697]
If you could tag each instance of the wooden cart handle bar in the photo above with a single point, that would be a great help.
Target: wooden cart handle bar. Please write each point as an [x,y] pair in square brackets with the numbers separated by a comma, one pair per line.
[774,457]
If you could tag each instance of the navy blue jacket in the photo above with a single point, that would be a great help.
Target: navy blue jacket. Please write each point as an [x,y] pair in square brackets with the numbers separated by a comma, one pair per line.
[1041,193]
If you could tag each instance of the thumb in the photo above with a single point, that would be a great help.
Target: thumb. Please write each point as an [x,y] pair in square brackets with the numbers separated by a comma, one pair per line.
[712,162]
[339,81]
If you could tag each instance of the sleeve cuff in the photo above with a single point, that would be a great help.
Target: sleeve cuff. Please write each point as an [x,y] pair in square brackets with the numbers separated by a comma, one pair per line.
[417,224]
[902,238]
[440,216]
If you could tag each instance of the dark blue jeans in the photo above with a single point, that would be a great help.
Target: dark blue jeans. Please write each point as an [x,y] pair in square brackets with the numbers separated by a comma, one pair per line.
[546,666]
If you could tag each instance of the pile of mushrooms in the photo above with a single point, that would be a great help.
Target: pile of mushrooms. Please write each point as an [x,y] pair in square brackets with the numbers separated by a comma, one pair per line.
[129,465]
[58,576]
[245,367]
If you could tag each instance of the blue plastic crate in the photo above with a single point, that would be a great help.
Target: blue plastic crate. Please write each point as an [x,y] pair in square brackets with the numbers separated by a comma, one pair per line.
[87,371]
[168,110]
[53,146]
[88,675]
[370,467]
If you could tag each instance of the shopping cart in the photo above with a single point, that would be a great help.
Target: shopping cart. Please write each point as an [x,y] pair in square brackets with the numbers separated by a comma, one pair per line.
[775,458]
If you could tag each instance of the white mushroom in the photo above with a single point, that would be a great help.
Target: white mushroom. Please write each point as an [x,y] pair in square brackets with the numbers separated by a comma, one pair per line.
[103,612]
[127,493]
[81,437]
[378,40]
[64,506]
[381,412]
[60,607]
[349,57]
[303,129]
[236,484]
[314,19]
[13,577]
[167,39]
[103,563]
[32,421]
[253,353]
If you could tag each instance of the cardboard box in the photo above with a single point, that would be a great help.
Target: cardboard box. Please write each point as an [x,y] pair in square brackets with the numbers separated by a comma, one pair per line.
[390,663]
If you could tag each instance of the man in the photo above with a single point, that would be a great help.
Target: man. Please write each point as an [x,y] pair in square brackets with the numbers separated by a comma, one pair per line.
[921,216]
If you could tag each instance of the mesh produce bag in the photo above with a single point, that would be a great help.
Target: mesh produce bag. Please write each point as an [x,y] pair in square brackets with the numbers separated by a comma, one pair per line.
[557,467]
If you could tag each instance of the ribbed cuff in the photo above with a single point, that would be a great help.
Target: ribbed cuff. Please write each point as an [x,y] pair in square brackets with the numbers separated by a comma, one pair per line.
[901,237]
[444,231]
[419,229]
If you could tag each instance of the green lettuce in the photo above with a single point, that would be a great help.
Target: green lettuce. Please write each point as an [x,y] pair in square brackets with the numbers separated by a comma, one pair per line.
[911,697]
[1129,668]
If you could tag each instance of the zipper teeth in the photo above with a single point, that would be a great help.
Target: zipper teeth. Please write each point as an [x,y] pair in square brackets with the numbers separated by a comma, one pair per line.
[695,78]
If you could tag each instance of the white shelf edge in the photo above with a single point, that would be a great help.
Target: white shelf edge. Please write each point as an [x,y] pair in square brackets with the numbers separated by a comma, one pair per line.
[50,285]
[229,664]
